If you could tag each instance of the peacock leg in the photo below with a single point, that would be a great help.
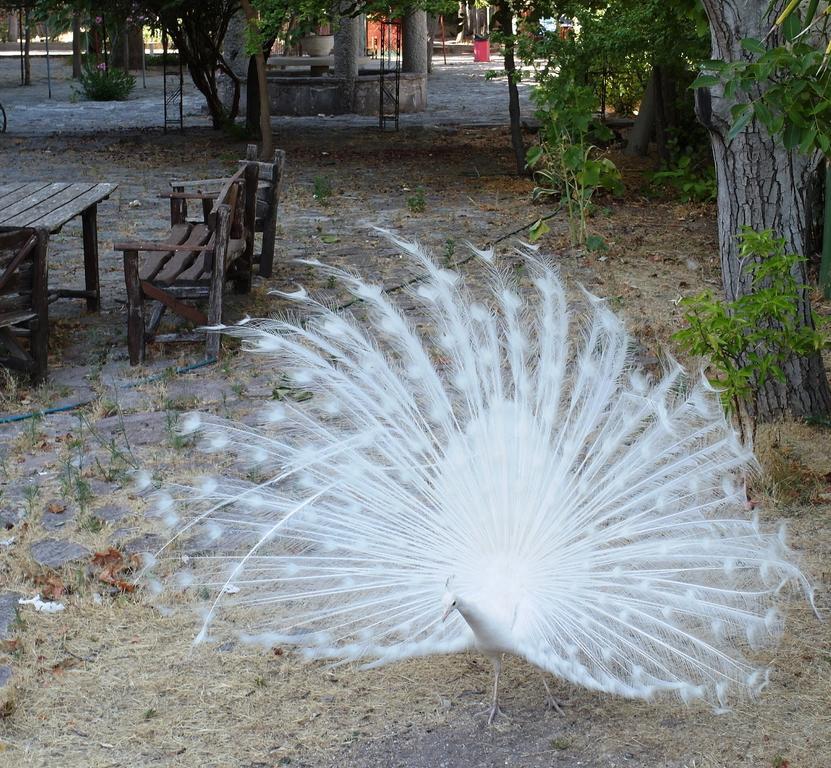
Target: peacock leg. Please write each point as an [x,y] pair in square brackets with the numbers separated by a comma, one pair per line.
[495,710]
[550,701]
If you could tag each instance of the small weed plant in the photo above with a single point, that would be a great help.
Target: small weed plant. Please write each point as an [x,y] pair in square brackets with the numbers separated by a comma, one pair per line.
[566,164]
[748,340]
[416,202]
[322,189]
[103,83]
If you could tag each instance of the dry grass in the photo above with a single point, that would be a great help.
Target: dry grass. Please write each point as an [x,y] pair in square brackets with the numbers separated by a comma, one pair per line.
[112,682]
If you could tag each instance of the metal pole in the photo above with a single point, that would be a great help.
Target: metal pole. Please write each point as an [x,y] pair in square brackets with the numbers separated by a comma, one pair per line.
[143,65]
[48,68]
[20,40]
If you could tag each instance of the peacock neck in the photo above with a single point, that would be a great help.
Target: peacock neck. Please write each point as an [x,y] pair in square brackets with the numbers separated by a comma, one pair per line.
[489,635]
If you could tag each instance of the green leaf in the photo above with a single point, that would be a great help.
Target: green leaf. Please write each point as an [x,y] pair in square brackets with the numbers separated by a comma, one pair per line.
[791,136]
[752,45]
[537,230]
[329,238]
[705,81]
[742,115]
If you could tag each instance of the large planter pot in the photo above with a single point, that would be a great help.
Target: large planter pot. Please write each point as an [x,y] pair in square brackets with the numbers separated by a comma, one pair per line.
[317,45]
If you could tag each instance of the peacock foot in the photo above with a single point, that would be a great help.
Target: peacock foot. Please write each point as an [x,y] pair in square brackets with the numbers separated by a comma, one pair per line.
[552,703]
[492,713]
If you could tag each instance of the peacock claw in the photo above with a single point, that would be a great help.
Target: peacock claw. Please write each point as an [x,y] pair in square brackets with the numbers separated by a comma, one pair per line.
[492,713]
[557,706]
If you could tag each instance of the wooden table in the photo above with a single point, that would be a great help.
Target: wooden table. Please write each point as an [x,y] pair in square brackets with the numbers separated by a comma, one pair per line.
[50,206]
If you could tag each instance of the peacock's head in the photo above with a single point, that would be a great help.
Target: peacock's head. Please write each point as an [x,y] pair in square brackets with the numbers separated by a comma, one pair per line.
[450,603]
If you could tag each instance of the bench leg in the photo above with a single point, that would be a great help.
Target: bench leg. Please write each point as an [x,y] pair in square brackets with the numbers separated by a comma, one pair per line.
[135,308]
[89,220]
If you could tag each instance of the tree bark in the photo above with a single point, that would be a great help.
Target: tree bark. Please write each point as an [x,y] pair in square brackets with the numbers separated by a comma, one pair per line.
[505,18]
[414,42]
[76,44]
[267,148]
[644,126]
[762,186]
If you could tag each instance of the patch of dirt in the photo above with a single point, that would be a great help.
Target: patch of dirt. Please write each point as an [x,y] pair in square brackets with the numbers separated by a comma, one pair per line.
[112,681]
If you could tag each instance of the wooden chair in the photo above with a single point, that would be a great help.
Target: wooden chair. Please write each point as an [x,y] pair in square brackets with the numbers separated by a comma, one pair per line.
[23,300]
[269,185]
[192,264]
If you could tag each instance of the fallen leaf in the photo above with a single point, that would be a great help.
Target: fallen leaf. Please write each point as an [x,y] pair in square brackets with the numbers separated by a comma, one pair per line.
[51,586]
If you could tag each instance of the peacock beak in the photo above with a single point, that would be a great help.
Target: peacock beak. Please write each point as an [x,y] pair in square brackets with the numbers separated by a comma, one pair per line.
[447,612]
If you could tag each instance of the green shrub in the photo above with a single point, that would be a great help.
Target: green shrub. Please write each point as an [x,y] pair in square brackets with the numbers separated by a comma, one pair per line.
[748,340]
[566,164]
[103,83]
[693,181]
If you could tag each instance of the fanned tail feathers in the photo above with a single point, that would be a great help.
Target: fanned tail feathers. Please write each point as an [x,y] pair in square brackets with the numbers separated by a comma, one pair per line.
[595,512]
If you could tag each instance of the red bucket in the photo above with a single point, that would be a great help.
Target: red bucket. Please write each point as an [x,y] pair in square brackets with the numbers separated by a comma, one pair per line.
[481,50]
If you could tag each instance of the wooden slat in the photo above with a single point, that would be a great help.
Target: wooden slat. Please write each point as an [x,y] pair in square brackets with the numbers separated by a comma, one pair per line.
[181,260]
[23,205]
[9,193]
[56,218]
[15,302]
[177,235]
[13,318]
[201,268]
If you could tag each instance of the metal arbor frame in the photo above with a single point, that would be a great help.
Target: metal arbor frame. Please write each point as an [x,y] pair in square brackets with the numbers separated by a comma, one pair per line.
[390,73]
[174,89]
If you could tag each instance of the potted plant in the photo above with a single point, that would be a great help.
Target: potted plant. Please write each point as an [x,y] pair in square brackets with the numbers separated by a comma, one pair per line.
[307,22]
[318,40]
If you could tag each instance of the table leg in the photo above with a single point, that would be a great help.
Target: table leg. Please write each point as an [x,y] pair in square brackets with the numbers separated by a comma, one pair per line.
[89,219]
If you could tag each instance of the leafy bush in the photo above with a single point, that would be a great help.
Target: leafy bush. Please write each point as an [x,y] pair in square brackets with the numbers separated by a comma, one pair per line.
[159,59]
[749,340]
[103,83]
[565,163]
[692,180]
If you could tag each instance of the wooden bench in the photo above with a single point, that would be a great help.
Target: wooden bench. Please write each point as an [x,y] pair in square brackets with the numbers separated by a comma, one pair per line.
[192,264]
[269,183]
[23,300]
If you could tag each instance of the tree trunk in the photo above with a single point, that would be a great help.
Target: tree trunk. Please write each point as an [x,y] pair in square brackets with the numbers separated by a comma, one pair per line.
[762,186]
[644,126]
[414,42]
[76,44]
[267,148]
[27,41]
[504,18]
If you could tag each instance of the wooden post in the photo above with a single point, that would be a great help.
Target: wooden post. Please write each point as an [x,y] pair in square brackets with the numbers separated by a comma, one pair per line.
[243,282]
[270,218]
[135,308]
[89,218]
[39,328]
[223,233]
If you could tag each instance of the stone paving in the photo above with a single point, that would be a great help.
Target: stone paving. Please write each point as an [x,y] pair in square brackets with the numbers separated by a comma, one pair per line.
[459,94]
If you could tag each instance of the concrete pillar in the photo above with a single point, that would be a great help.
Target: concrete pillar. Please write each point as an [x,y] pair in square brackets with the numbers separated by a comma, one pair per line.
[347,42]
[414,42]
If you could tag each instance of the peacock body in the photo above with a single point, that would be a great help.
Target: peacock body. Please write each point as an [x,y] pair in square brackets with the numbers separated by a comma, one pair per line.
[510,481]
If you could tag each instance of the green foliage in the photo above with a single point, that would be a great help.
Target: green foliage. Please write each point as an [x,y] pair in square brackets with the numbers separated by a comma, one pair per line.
[416,202]
[103,83]
[784,86]
[322,188]
[748,340]
[693,180]
[566,165]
